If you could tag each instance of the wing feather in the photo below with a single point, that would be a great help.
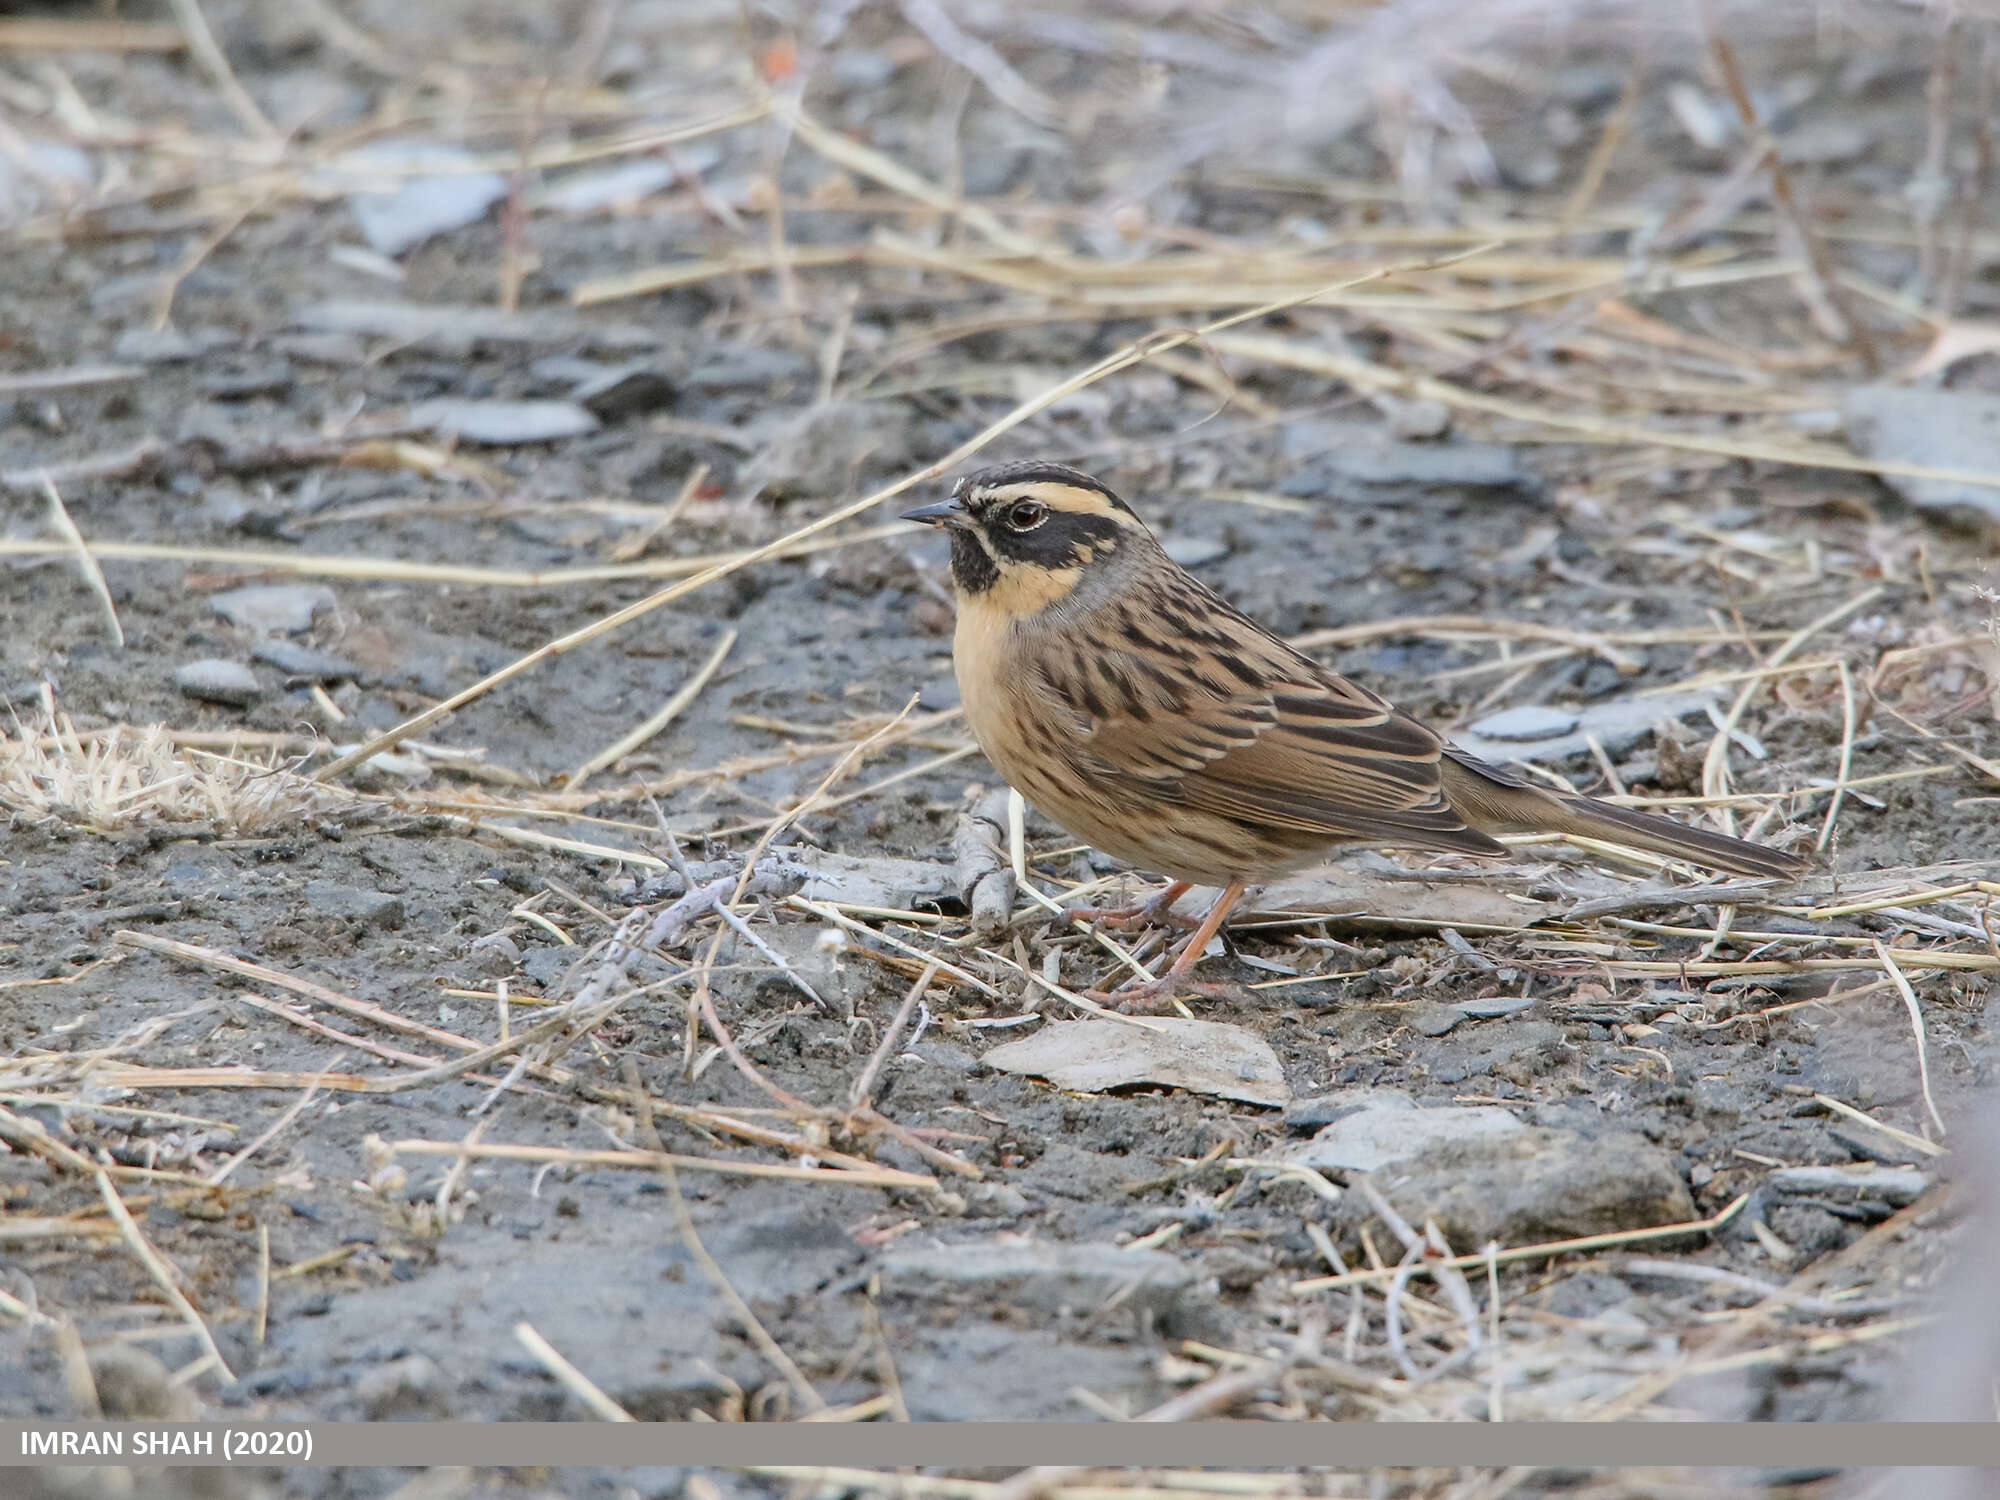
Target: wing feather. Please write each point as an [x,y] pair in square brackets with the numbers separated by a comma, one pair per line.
[1249,729]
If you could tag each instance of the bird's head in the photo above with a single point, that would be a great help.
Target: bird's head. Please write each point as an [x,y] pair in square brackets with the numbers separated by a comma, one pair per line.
[1024,535]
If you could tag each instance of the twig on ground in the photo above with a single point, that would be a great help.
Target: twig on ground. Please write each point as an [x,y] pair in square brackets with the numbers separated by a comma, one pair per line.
[221,1173]
[162,1273]
[1220,1392]
[570,1377]
[92,574]
[866,1174]
[1903,988]
[984,876]
[1547,1251]
[681,697]
[201,41]
[752,1328]
[1826,283]
[863,1092]
[1678,1270]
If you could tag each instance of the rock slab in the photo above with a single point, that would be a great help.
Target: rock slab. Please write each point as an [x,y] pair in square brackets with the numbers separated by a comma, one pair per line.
[1938,429]
[1484,1176]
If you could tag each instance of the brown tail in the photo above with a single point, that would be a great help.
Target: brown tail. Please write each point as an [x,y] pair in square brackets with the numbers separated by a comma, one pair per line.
[1496,801]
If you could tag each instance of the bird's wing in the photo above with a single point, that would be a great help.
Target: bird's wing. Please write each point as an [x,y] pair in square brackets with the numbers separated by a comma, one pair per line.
[1206,710]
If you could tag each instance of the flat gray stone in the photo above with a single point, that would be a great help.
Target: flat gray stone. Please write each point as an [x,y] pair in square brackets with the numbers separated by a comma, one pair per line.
[1497,1007]
[1429,1019]
[1532,1184]
[591,192]
[1939,429]
[415,322]
[1392,1133]
[1618,724]
[214,680]
[1324,1109]
[1892,1185]
[275,608]
[1528,722]
[298,661]
[1339,455]
[499,424]
[166,346]
[329,898]
[1203,1057]
[1194,551]
[1522,1049]
[422,207]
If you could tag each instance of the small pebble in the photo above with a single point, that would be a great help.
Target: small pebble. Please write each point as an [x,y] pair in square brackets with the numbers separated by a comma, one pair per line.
[503,423]
[372,908]
[495,954]
[1193,551]
[218,681]
[1496,1007]
[299,661]
[423,207]
[1528,722]
[277,608]
[1433,1020]
[163,346]
[242,382]
[1416,421]
[622,392]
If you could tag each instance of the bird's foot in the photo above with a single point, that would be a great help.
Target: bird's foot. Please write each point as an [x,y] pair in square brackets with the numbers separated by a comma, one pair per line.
[1154,995]
[1159,910]
[1125,918]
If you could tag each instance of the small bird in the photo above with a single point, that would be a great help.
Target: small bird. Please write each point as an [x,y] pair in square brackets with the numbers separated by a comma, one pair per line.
[1147,715]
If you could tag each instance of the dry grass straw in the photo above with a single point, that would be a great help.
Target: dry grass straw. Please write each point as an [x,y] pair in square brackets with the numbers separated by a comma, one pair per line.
[1573,425]
[392,570]
[570,1377]
[163,1275]
[1546,1251]
[124,776]
[654,723]
[841,1166]
[93,575]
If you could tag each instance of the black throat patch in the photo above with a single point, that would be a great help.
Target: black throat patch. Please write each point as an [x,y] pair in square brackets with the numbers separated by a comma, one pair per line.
[971,569]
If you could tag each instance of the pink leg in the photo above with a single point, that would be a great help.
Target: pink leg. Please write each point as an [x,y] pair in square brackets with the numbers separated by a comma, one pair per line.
[1146,913]
[1157,994]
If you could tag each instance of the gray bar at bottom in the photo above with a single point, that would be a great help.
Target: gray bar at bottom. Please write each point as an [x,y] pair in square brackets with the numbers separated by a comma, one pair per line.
[1011,1444]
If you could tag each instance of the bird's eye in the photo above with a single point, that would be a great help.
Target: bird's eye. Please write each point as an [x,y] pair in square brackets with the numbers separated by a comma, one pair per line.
[1026,515]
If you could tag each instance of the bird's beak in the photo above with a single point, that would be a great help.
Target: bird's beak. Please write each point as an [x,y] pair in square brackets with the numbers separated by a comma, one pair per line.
[944,513]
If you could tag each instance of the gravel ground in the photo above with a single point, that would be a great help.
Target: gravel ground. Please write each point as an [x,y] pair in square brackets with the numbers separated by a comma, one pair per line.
[385,483]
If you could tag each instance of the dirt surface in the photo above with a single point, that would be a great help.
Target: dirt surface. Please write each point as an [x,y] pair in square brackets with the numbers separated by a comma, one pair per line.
[344,1280]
